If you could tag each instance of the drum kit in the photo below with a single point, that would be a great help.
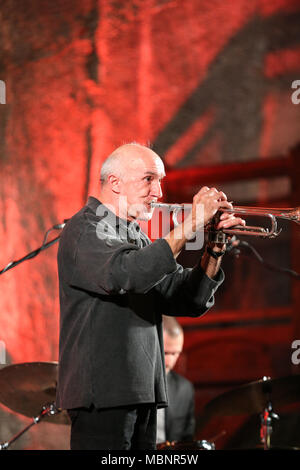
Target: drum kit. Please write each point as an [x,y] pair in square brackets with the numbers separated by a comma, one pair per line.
[30,389]
[265,398]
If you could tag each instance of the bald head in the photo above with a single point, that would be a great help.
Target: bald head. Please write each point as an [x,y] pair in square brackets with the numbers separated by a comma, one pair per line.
[131,180]
[126,157]
[173,341]
[171,327]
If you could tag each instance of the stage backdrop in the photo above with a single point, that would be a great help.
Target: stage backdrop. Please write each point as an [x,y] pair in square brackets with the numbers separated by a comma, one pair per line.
[205,83]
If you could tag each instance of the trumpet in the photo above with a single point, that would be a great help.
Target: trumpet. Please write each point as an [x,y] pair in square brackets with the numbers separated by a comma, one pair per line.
[272,214]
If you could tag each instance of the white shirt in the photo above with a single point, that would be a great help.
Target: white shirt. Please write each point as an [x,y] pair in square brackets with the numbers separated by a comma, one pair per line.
[161,430]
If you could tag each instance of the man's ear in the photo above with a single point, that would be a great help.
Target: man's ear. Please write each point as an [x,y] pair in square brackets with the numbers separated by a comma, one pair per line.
[114,183]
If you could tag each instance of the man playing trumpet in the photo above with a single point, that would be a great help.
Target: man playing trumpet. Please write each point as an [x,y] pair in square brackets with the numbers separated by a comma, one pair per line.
[114,287]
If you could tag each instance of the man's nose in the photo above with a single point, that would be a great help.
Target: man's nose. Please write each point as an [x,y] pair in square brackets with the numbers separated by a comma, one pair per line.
[156,189]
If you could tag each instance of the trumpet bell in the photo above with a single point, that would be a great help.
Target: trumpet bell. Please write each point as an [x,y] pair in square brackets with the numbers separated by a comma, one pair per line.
[270,213]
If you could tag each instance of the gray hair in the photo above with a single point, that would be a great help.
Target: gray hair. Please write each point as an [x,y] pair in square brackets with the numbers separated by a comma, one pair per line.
[112,163]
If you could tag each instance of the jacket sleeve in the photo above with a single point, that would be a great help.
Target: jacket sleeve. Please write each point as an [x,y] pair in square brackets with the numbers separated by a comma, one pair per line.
[188,292]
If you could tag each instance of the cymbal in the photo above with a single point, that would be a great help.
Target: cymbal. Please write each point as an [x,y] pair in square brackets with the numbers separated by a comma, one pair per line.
[253,397]
[27,387]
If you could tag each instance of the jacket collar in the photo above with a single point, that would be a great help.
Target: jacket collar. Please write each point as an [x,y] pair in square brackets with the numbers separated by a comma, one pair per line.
[94,203]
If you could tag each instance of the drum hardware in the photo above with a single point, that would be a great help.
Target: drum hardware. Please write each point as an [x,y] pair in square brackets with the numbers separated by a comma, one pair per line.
[186,445]
[266,426]
[47,410]
[30,389]
[256,397]
[250,398]
[267,416]
[26,387]
[204,444]
[270,213]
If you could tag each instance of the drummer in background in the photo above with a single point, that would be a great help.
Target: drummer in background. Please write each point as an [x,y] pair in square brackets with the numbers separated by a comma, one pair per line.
[177,421]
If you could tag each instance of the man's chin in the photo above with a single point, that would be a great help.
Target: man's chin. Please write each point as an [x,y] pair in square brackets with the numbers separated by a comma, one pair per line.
[145,213]
[142,211]
[145,216]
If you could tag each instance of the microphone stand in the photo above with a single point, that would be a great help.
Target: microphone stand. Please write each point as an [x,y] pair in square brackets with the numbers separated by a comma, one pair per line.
[34,253]
[234,246]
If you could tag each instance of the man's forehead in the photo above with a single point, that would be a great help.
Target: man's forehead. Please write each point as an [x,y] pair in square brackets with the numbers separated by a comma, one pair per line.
[147,164]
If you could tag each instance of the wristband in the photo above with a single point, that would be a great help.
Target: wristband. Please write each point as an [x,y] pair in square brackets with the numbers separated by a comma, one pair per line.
[215,254]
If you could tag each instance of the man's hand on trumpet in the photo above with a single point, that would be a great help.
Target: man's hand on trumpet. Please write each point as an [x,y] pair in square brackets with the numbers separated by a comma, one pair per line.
[213,201]
[206,203]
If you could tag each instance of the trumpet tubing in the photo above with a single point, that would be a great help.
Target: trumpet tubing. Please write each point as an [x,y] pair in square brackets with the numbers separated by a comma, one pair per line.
[292,214]
[288,214]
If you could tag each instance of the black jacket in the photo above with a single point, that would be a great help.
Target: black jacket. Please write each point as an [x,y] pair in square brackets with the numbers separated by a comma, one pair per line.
[114,286]
[180,413]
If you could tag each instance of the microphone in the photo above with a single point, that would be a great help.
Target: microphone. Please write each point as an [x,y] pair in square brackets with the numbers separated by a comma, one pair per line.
[233,244]
[60,226]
